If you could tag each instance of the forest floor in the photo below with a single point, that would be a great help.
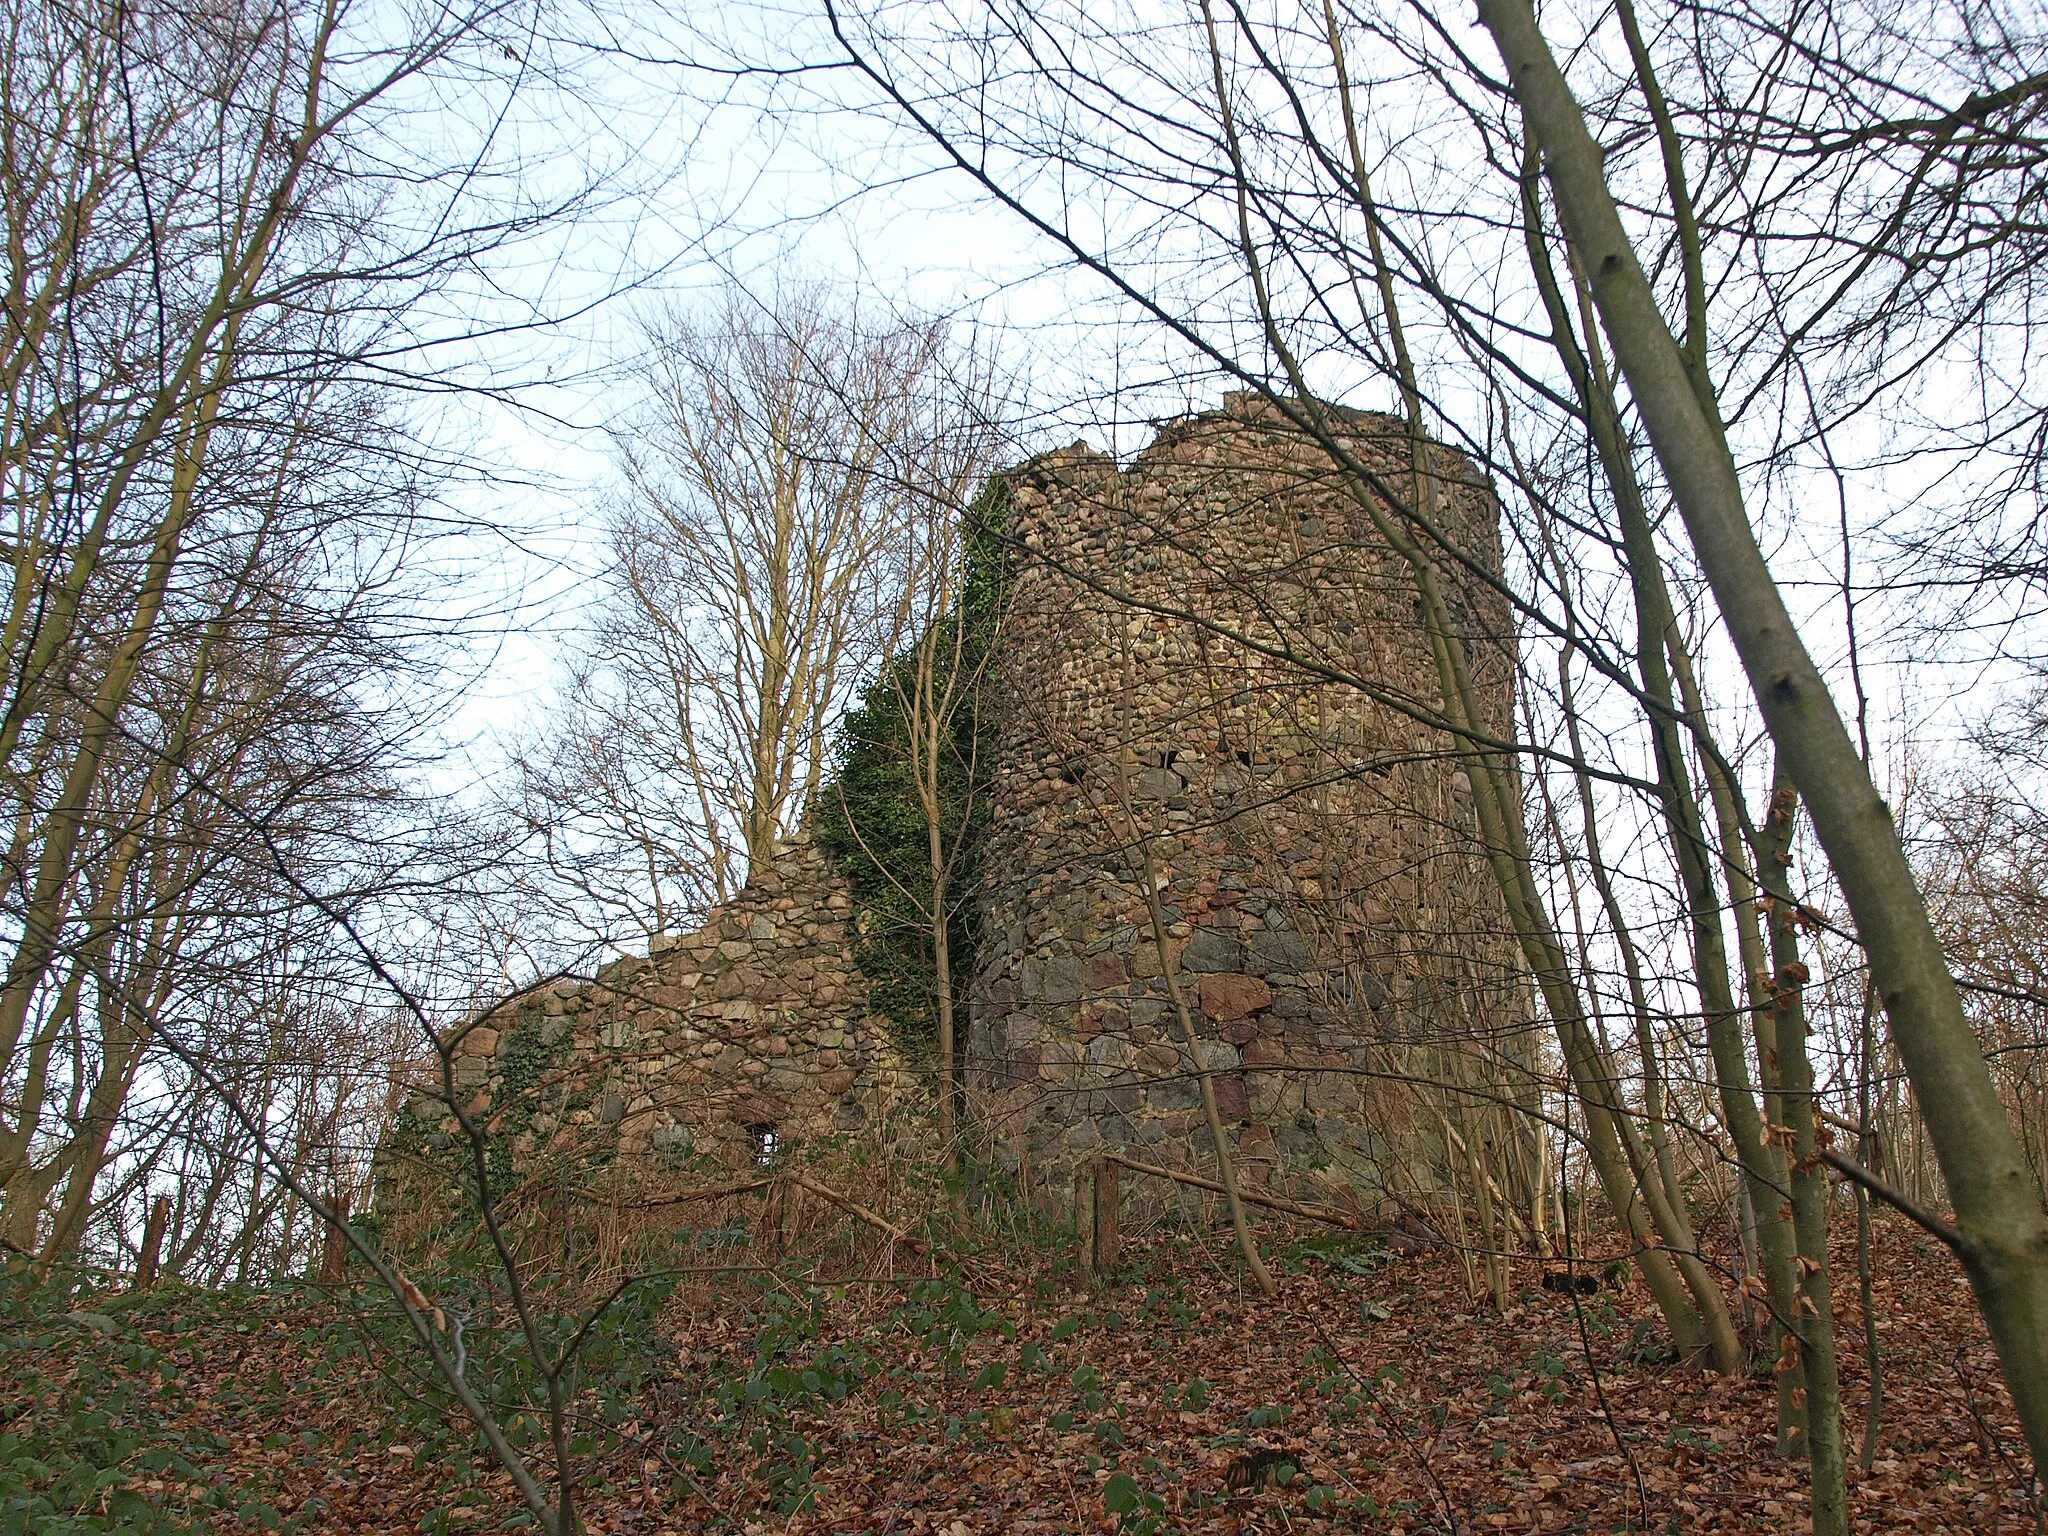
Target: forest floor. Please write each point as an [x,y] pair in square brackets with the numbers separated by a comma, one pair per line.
[1003,1398]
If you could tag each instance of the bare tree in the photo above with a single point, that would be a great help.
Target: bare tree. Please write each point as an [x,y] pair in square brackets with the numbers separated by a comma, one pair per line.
[1998,1203]
[1279,240]
[1236,155]
[780,486]
[218,647]
[919,723]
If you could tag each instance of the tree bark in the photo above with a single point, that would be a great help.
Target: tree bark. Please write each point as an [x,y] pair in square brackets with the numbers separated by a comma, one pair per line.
[152,1242]
[1107,1212]
[334,1250]
[1812,1323]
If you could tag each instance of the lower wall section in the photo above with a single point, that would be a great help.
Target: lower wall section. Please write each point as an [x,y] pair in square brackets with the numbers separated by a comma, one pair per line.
[747,1038]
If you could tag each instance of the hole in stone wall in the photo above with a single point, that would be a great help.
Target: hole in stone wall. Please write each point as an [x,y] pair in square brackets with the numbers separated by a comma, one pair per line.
[767,1142]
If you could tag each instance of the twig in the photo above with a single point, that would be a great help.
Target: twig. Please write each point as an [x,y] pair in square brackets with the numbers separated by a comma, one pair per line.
[1322,1213]
[2029,1482]
[716,1192]
[1621,1444]
[1842,1122]
[1573,1259]
[556,1517]
[1390,1416]
[1856,1173]
[854,1208]
[1149,879]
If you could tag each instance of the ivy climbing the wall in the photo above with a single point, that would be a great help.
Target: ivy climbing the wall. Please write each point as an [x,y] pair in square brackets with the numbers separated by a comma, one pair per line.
[870,819]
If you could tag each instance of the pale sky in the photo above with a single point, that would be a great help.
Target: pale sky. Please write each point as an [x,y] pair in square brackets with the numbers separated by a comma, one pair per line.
[802,176]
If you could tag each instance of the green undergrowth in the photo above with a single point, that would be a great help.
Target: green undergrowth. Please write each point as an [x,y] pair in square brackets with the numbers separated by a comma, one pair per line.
[103,1430]
[1351,1253]
[185,1411]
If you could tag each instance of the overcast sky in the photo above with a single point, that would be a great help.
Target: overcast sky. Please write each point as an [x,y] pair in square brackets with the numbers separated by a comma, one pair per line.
[714,175]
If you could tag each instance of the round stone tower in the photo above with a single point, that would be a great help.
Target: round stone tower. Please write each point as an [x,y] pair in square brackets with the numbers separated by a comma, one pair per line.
[1210,676]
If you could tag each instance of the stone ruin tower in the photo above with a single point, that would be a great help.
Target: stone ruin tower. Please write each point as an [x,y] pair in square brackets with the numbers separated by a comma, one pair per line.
[1211,666]
[1161,689]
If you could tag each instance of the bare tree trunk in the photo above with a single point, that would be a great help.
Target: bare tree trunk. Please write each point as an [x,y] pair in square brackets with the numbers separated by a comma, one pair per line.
[1654,621]
[152,1242]
[87,1155]
[23,1187]
[1655,1174]
[1998,1204]
[1812,1322]
[1169,971]
[1084,1222]
[930,723]
[1108,1228]
[1491,772]
[1656,1118]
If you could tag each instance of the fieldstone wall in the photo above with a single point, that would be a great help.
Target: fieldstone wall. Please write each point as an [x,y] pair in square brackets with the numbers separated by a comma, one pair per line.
[757,1022]
[1213,677]
[1314,849]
